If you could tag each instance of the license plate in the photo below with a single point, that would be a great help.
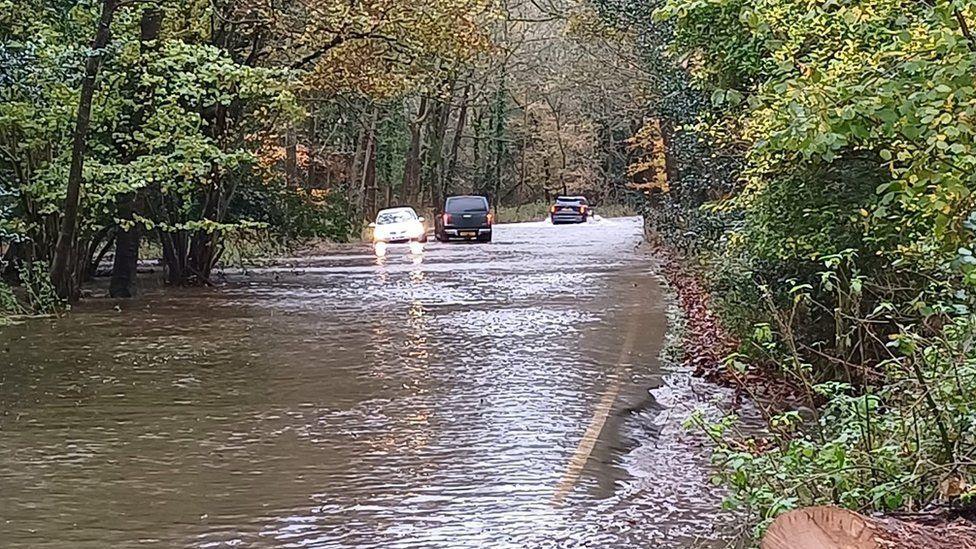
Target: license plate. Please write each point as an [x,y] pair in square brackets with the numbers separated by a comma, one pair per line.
[468,233]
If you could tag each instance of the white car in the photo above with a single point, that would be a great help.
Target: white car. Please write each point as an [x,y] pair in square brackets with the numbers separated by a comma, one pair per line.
[395,225]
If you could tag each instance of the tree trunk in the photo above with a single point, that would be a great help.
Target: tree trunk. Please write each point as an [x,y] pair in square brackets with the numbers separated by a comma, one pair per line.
[451,171]
[355,171]
[291,158]
[435,155]
[525,138]
[95,253]
[476,155]
[126,257]
[369,168]
[64,266]
[836,528]
[173,256]
[312,174]
[499,137]
[127,241]
[670,163]
[412,164]
[205,246]
[557,117]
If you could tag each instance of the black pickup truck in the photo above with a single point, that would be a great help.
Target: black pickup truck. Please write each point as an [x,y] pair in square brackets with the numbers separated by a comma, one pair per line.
[464,218]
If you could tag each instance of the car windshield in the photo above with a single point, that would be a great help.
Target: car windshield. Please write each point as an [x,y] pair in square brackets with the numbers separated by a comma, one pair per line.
[398,216]
[467,204]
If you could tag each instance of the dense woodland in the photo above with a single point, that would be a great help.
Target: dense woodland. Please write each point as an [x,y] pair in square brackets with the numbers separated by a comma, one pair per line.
[823,185]
[813,160]
[191,125]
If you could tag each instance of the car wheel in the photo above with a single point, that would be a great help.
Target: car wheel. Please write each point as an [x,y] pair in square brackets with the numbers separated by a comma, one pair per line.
[486,238]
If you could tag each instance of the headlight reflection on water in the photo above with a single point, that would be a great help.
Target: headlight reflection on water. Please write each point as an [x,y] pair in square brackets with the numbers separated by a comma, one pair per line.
[416,250]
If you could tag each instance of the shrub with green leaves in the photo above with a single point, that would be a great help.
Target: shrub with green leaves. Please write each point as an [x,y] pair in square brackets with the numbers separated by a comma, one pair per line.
[34,295]
[895,446]
[893,434]
[9,305]
[40,295]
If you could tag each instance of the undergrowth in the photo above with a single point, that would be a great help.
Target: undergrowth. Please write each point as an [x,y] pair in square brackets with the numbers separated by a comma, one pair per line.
[33,295]
[895,433]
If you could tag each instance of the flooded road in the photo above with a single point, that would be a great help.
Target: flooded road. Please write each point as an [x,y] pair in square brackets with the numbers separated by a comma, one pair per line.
[470,396]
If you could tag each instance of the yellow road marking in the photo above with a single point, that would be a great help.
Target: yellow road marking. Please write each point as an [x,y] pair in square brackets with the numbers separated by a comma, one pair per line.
[582,454]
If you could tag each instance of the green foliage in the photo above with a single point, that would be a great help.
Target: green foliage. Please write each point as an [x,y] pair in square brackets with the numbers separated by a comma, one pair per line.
[890,434]
[843,250]
[202,110]
[889,447]
[9,305]
[737,65]
[884,81]
[732,280]
[40,296]
[176,121]
[192,104]
[34,295]
[294,214]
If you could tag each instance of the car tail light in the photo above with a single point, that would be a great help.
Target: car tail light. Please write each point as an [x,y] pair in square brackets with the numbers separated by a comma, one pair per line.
[490,218]
[552,209]
[583,209]
[447,218]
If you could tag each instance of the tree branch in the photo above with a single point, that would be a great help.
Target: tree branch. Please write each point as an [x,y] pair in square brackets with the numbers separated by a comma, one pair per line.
[964,27]
[315,55]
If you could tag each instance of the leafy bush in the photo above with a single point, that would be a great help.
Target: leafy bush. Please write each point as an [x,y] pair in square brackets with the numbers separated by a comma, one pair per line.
[34,295]
[294,214]
[846,244]
[9,305]
[891,434]
[894,446]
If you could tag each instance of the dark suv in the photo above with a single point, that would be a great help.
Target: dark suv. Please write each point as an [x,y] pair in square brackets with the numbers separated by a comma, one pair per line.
[569,209]
[464,218]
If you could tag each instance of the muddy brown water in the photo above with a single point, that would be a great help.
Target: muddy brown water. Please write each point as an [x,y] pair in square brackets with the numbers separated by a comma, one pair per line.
[433,400]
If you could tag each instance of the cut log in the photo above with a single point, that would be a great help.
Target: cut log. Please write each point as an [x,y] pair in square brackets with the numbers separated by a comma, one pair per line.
[836,528]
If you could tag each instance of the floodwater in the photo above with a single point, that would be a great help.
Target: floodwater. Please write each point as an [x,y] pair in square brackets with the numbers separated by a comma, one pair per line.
[468,396]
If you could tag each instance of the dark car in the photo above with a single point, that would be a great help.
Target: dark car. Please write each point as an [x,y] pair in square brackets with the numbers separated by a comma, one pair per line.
[464,218]
[569,209]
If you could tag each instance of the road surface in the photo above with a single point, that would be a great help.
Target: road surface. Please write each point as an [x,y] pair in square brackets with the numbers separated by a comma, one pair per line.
[469,396]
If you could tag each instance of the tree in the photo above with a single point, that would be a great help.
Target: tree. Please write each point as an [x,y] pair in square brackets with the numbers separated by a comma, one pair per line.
[128,237]
[65,265]
[842,251]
